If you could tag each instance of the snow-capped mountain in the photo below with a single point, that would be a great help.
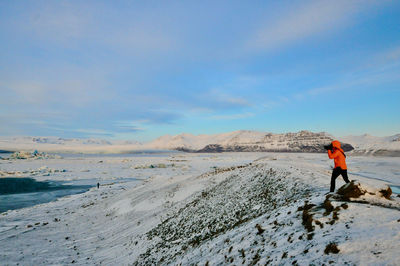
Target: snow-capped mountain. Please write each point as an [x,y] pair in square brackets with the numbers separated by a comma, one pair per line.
[191,142]
[56,144]
[244,140]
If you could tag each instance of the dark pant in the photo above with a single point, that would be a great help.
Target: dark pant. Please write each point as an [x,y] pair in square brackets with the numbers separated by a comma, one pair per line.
[335,173]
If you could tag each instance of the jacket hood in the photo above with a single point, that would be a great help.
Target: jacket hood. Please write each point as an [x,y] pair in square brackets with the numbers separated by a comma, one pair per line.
[336,144]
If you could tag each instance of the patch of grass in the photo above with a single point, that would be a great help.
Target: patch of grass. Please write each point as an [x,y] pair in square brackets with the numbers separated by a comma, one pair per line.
[335,216]
[327,206]
[307,216]
[241,251]
[256,258]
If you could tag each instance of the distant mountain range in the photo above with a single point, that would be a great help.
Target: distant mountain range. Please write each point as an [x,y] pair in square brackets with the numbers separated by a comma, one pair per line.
[237,141]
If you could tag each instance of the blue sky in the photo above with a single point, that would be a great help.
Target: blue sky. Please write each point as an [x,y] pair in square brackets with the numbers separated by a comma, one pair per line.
[142,69]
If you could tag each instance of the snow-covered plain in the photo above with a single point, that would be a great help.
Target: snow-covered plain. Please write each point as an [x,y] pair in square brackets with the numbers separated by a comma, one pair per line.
[187,208]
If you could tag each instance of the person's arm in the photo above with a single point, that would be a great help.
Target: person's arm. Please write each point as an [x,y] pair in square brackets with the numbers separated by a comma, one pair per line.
[332,155]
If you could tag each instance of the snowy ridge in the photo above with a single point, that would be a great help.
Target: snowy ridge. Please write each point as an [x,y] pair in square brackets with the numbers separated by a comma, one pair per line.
[245,193]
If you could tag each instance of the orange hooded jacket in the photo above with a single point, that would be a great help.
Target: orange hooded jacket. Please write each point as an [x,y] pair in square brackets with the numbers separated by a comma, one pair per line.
[338,155]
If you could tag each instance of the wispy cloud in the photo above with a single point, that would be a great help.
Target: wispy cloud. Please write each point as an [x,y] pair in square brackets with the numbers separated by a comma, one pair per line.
[61,21]
[232,116]
[360,82]
[70,24]
[65,84]
[92,132]
[222,99]
[383,60]
[129,126]
[303,21]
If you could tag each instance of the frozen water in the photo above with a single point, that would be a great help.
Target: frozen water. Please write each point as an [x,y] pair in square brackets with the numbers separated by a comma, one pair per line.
[16,193]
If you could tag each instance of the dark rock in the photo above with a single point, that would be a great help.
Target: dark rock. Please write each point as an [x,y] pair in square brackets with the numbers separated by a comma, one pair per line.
[350,190]
[347,147]
[386,193]
[259,229]
[212,148]
[331,248]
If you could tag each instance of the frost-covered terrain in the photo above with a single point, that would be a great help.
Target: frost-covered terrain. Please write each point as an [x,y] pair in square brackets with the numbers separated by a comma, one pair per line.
[227,208]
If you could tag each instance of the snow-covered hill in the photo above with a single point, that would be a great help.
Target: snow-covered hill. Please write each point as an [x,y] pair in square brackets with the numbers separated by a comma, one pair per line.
[367,144]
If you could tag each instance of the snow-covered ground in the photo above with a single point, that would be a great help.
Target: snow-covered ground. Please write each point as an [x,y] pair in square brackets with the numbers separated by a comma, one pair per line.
[229,208]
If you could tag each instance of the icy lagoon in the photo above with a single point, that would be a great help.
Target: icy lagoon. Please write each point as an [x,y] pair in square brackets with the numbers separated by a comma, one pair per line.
[21,192]
[16,193]
[188,208]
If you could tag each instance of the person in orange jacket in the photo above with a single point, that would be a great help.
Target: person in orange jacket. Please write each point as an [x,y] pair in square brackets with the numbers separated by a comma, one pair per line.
[336,153]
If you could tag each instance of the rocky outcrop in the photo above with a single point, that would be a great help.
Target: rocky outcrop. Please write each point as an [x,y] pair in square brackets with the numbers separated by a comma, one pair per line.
[32,155]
